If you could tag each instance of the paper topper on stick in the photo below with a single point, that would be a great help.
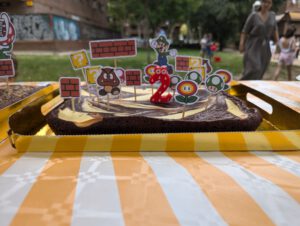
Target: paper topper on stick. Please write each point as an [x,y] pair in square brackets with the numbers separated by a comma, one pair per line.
[191,63]
[92,73]
[69,87]
[79,60]
[161,47]
[227,77]
[187,90]
[133,77]
[115,48]
[7,39]
[108,82]
[161,75]
[214,84]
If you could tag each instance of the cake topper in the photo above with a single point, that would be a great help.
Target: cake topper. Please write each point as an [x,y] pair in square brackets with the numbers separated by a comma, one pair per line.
[79,60]
[191,63]
[161,47]
[113,48]
[214,84]
[92,73]
[7,39]
[227,77]
[134,78]
[161,74]
[108,82]
[69,87]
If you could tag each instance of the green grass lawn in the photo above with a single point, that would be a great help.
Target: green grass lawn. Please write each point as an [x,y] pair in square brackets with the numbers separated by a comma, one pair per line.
[51,67]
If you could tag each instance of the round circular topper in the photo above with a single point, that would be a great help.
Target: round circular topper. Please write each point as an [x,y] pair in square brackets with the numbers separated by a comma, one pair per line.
[150,70]
[194,76]
[175,79]
[187,88]
[214,83]
[226,75]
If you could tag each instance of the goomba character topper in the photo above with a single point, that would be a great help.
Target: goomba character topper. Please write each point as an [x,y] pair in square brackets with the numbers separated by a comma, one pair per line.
[7,36]
[161,46]
[108,81]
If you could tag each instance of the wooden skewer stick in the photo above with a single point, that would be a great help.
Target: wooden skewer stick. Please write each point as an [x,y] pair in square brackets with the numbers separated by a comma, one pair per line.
[73,104]
[135,94]
[183,113]
[115,63]
[107,96]
[7,84]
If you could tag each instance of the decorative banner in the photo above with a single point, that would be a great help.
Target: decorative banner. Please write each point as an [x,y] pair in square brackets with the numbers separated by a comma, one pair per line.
[92,73]
[7,39]
[116,48]
[133,77]
[161,74]
[7,68]
[190,63]
[187,91]
[214,84]
[108,82]
[161,47]
[69,87]
[79,60]
[227,77]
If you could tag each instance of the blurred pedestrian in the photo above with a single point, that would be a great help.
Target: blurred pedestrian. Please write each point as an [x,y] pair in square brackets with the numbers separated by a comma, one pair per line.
[203,42]
[209,43]
[258,30]
[287,46]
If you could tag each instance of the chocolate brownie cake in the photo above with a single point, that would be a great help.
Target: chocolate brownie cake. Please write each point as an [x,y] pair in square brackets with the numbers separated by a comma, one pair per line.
[214,113]
[15,93]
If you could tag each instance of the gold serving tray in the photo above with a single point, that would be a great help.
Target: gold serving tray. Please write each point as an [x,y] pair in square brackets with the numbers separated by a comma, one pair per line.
[280,130]
[6,112]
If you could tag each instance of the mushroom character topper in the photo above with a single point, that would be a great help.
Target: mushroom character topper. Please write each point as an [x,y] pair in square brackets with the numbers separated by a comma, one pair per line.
[161,47]
[7,36]
[215,84]
[108,81]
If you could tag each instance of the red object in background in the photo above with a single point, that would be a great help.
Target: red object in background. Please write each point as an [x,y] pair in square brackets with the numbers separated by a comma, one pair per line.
[69,87]
[213,47]
[161,74]
[217,59]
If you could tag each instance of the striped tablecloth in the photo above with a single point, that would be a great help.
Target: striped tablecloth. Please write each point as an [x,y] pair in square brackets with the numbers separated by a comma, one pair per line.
[146,188]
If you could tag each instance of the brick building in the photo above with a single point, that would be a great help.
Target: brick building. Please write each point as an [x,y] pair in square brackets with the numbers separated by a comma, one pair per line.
[289,15]
[58,24]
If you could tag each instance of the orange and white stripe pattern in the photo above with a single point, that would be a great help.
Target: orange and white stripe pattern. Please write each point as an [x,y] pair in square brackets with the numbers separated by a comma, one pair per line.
[233,141]
[150,188]
[287,93]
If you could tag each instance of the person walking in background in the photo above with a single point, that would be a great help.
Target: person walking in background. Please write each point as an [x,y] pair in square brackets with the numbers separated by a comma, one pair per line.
[203,42]
[209,42]
[258,30]
[287,46]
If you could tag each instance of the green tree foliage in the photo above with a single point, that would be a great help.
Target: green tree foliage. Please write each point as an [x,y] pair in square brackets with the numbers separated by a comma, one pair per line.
[223,18]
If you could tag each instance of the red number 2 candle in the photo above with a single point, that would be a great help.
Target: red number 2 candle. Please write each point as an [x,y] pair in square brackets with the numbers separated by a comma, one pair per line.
[161,74]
